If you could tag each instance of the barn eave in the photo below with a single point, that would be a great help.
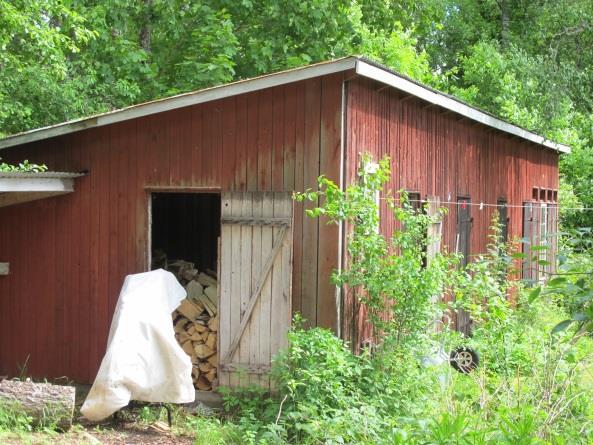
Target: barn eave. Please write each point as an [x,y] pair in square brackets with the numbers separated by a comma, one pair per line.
[360,65]
[17,187]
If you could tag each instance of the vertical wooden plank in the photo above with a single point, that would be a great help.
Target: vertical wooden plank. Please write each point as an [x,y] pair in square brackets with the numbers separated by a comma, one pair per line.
[208,155]
[174,136]
[246,281]
[287,267]
[290,128]
[229,135]
[226,254]
[79,303]
[330,165]
[95,232]
[310,241]
[216,151]
[299,207]
[235,296]
[5,254]
[62,263]
[278,139]
[252,140]
[266,293]
[280,309]
[141,217]
[241,144]
[184,127]
[264,140]
[198,168]
[258,256]
[83,186]
[117,168]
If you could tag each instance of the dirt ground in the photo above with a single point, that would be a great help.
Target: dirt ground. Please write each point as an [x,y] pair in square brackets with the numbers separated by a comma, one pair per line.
[114,434]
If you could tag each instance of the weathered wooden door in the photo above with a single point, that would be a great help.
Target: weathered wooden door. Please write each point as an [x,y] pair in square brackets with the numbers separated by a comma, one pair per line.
[255,284]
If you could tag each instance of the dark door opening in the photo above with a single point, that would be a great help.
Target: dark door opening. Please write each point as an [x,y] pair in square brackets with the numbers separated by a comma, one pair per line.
[185,226]
[185,229]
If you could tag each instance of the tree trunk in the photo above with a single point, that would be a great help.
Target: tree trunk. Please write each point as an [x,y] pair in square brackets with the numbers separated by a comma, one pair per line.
[505,21]
[146,29]
[44,402]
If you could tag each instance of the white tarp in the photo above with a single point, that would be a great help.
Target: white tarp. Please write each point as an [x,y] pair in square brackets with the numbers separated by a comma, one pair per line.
[143,360]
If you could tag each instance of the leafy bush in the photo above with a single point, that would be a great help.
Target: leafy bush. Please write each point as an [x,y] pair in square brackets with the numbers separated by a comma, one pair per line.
[24,166]
[534,386]
[390,275]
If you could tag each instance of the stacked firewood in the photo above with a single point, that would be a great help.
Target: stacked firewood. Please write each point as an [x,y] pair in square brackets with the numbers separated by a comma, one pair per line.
[196,321]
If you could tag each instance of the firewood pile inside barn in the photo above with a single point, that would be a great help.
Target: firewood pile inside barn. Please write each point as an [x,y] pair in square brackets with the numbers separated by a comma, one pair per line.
[196,321]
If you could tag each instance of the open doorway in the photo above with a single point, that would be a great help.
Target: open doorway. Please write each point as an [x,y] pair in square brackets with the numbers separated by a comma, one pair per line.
[184,235]
[185,226]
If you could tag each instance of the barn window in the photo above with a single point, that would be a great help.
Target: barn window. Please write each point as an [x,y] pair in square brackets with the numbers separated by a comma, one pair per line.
[540,220]
[416,203]
[463,228]
[503,219]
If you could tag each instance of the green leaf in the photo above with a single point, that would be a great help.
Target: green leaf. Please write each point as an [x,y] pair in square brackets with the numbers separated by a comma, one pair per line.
[518,256]
[556,281]
[563,325]
[534,294]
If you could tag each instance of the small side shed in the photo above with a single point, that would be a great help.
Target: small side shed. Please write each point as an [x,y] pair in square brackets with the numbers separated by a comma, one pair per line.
[222,163]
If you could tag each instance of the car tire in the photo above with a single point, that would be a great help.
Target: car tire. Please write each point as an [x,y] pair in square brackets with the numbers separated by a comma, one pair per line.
[464,359]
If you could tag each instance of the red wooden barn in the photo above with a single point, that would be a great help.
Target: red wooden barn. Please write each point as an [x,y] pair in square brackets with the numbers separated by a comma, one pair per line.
[178,173]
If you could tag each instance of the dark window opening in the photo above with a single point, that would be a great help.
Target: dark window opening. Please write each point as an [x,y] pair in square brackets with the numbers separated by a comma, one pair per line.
[463,228]
[550,195]
[535,193]
[503,219]
[415,201]
[185,226]
[418,206]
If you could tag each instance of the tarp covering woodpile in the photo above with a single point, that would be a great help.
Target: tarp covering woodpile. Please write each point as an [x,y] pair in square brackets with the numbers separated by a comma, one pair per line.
[143,361]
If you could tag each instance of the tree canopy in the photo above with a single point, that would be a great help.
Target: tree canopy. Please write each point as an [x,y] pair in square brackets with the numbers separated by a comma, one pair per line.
[529,62]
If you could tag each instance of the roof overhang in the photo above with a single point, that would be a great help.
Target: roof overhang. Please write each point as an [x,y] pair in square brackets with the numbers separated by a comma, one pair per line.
[363,67]
[16,188]
[434,97]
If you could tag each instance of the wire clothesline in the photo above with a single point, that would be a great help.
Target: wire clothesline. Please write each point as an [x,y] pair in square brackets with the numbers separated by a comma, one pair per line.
[481,205]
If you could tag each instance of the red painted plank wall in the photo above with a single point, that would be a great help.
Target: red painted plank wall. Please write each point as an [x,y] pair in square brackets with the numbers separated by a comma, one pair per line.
[439,154]
[69,255]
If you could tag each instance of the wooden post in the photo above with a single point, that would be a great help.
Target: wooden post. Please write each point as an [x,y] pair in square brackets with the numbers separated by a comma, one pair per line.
[434,231]
[433,239]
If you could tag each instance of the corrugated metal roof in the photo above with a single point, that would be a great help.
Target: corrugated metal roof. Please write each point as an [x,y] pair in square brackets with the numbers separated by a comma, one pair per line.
[363,66]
